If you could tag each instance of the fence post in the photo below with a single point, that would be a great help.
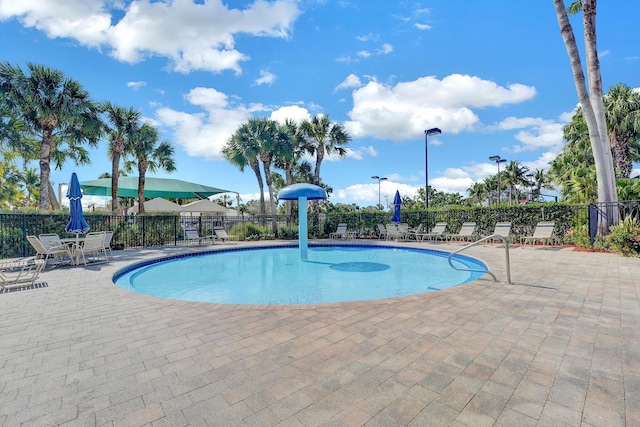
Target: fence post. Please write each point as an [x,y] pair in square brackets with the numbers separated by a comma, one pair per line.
[25,248]
[593,223]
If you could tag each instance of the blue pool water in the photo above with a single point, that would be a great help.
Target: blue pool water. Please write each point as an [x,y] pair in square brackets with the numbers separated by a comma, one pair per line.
[276,275]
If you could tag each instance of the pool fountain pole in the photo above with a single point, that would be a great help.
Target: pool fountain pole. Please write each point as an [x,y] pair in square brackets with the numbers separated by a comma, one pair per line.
[302,193]
[303,242]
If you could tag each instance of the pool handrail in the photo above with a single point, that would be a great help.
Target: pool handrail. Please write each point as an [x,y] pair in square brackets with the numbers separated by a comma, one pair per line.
[484,239]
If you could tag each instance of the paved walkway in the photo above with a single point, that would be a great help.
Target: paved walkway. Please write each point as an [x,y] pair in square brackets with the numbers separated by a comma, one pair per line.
[559,346]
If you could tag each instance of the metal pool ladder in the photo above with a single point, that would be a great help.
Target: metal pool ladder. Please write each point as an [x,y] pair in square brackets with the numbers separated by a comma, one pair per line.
[484,239]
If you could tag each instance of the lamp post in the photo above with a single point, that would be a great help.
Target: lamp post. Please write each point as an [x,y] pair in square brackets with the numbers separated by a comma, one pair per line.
[427,133]
[498,160]
[529,180]
[379,179]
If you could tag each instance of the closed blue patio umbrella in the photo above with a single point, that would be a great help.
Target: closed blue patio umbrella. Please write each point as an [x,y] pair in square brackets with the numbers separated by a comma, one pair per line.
[397,202]
[77,224]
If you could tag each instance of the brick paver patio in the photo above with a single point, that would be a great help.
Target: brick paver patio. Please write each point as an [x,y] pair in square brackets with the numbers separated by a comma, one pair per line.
[558,347]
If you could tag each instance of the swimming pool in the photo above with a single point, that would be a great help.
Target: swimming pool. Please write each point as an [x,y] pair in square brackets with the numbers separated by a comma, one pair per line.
[276,275]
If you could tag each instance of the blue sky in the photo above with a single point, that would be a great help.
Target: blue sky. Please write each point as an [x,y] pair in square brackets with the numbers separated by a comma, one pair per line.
[494,76]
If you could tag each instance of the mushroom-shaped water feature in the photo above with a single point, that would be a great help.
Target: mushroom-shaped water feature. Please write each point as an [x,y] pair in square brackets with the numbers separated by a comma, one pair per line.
[302,193]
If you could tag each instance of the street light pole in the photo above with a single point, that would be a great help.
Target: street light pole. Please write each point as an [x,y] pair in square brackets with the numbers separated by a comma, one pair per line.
[530,181]
[498,160]
[379,179]
[427,133]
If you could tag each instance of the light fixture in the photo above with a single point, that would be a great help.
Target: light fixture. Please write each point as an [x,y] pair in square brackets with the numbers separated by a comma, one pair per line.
[379,179]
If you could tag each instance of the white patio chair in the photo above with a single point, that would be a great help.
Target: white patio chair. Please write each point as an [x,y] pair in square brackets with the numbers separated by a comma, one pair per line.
[221,234]
[93,246]
[543,233]
[59,254]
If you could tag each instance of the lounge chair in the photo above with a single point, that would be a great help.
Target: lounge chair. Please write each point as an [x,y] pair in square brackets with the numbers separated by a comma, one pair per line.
[108,236]
[437,232]
[467,232]
[21,272]
[341,232]
[403,231]
[59,254]
[502,229]
[191,236]
[393,232]
[93,246]
[382,231]
[413,232]
[543,233]
[50,240]
[221,234]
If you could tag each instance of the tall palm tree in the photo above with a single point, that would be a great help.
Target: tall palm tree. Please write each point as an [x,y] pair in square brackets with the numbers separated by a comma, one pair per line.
[56,109]
[622,107]
[490,184]
[540,180]
[121,125]
[514,175]
[242,150]
[292,147]
[591,101]
[150,154]
[270,144]
[477,193]
[31,182]
[323,137]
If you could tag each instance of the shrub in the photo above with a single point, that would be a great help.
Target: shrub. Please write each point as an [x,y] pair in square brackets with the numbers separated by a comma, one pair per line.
[624,237]
[288,232]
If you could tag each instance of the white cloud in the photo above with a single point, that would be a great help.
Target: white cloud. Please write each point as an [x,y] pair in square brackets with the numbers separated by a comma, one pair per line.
[368,37]
[136,85]
[293,112]
[385,49]
[364,54]
[85,21]
[536,133]
[423,26]
[350,82]
[369,192]
[204,134]
[266,78]
[407,108]
[192,36]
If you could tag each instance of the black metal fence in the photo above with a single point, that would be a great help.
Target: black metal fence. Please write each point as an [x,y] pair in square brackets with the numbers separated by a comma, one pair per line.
[161,230]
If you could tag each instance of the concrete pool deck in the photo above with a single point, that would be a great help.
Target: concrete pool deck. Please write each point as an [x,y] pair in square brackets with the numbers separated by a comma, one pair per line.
[559,346]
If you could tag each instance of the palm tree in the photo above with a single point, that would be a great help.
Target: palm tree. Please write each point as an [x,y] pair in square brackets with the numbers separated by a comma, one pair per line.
[490,184]
[622,107]
[270,143]
[323,137]
[31,182]
[477,193]
[242,150]
[121,126]
[293,146]
[629,189]
[10,178]
[514,175]
[540,180]
[591,101]
[150,155]
[56,109]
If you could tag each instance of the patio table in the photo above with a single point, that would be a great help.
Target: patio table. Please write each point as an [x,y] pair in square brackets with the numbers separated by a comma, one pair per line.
[73,243]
